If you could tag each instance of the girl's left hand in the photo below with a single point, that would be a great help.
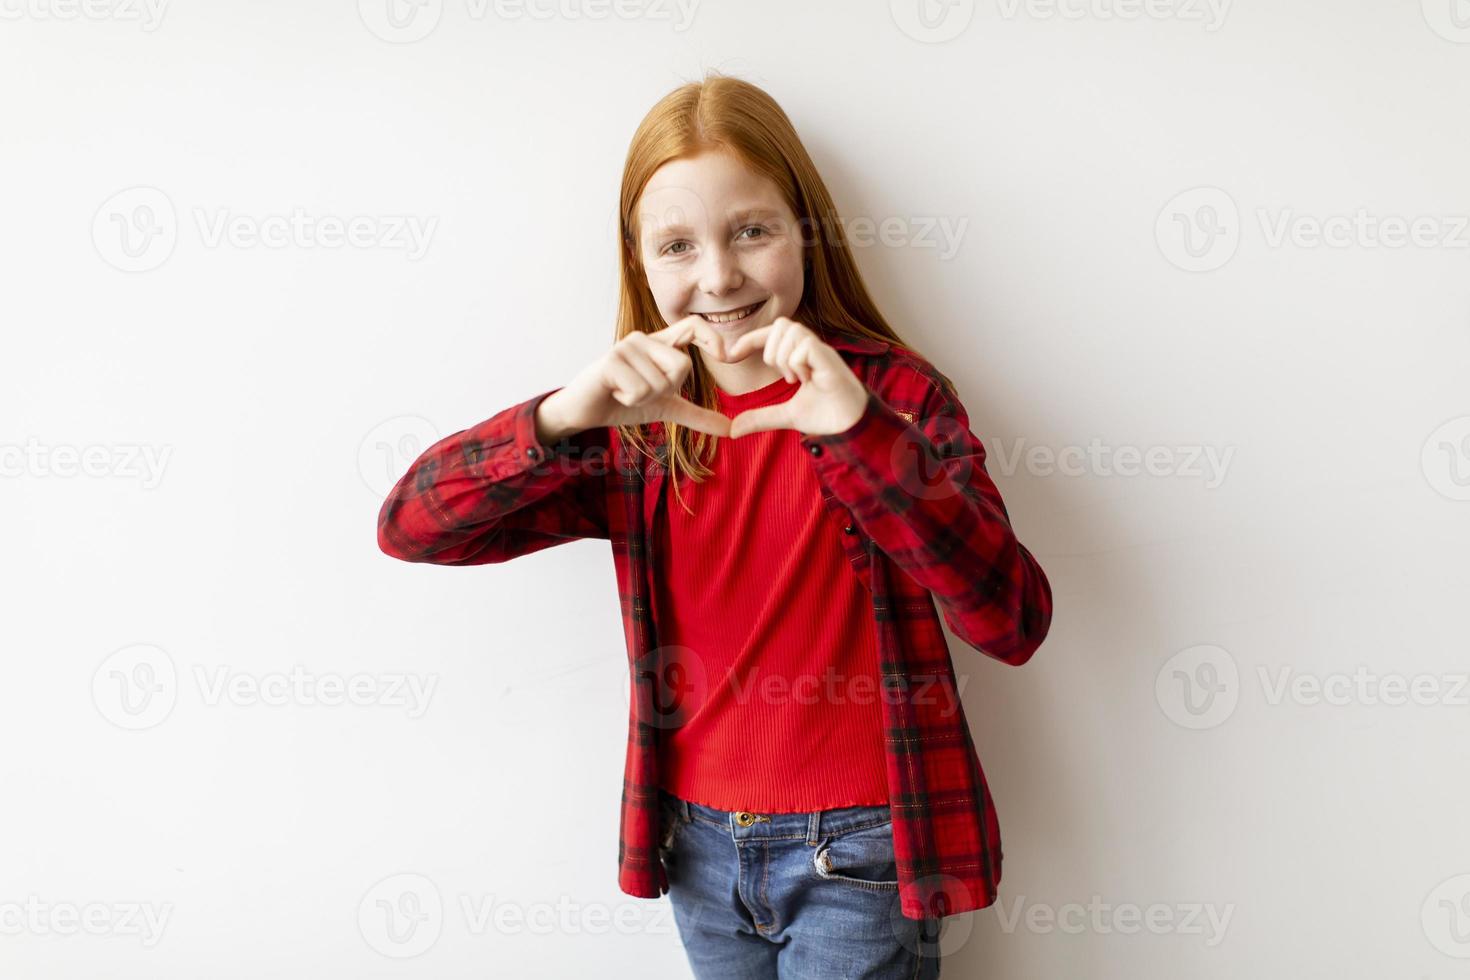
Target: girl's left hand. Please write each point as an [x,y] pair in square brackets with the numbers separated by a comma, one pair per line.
[831,398]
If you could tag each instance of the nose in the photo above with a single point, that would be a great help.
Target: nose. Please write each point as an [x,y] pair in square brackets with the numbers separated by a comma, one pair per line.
[719,272]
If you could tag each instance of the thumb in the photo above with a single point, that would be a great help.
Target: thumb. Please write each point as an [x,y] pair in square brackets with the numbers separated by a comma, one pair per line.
[761,419]
[683,412]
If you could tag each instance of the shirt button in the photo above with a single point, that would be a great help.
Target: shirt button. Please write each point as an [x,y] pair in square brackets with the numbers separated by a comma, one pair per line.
[849,530]
[532,451]
[816,450]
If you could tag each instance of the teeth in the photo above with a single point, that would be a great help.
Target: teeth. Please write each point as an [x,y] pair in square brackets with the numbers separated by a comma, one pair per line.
[729,317]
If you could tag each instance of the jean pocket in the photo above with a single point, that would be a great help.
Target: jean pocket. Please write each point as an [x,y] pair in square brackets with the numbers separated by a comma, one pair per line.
[668,825]
[862,858]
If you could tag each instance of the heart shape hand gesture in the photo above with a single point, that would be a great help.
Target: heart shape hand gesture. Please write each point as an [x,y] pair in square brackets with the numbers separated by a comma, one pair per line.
[640,378]
[831,397]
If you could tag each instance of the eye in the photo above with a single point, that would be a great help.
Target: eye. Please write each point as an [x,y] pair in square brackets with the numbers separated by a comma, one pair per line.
[758,228]
[669,249]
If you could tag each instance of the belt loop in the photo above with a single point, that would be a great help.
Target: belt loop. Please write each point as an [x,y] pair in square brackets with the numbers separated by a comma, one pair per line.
[684,810]
[813,828]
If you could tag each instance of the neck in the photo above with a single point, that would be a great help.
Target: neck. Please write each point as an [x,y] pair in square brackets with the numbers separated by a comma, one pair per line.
[746,375]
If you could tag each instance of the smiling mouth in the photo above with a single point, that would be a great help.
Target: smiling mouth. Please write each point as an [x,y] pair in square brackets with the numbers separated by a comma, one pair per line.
[733,316]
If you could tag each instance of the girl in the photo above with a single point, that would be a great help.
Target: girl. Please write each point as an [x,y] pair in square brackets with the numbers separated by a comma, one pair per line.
[799,774]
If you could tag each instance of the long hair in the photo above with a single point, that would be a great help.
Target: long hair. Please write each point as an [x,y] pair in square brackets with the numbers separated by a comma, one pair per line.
[726,113]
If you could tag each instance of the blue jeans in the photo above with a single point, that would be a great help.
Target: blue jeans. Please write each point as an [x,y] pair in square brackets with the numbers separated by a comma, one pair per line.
[794,896]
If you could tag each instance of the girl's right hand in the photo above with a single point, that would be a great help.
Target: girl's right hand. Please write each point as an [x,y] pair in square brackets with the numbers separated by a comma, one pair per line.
[636,382]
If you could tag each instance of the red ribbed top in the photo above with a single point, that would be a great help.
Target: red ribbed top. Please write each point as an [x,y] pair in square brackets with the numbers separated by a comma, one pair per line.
[780,656]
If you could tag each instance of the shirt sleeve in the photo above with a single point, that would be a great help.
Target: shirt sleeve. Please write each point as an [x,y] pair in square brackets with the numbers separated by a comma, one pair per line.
[920,491]
[494,492]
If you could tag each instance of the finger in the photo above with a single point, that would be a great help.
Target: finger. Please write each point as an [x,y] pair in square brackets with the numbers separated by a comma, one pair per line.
[638,357]
[748,342]
[795,334]
[684,412]
[673,362]
[779,331]
[800,360]
[761,419]
[628,386]
[693,329]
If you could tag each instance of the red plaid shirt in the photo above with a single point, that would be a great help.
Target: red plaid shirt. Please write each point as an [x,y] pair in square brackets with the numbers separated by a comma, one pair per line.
[923,522]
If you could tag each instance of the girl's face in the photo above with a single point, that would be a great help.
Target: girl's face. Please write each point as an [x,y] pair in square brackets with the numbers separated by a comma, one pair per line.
[717,238]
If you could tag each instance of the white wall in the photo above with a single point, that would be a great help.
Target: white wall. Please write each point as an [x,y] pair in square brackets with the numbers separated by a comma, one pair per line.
[1145,760]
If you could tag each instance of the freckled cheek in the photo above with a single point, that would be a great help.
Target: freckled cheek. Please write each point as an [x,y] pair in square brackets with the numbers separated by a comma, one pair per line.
[670,292]
[778,269]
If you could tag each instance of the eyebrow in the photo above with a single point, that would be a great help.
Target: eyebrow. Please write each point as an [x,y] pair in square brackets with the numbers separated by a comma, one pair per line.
[737,216]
